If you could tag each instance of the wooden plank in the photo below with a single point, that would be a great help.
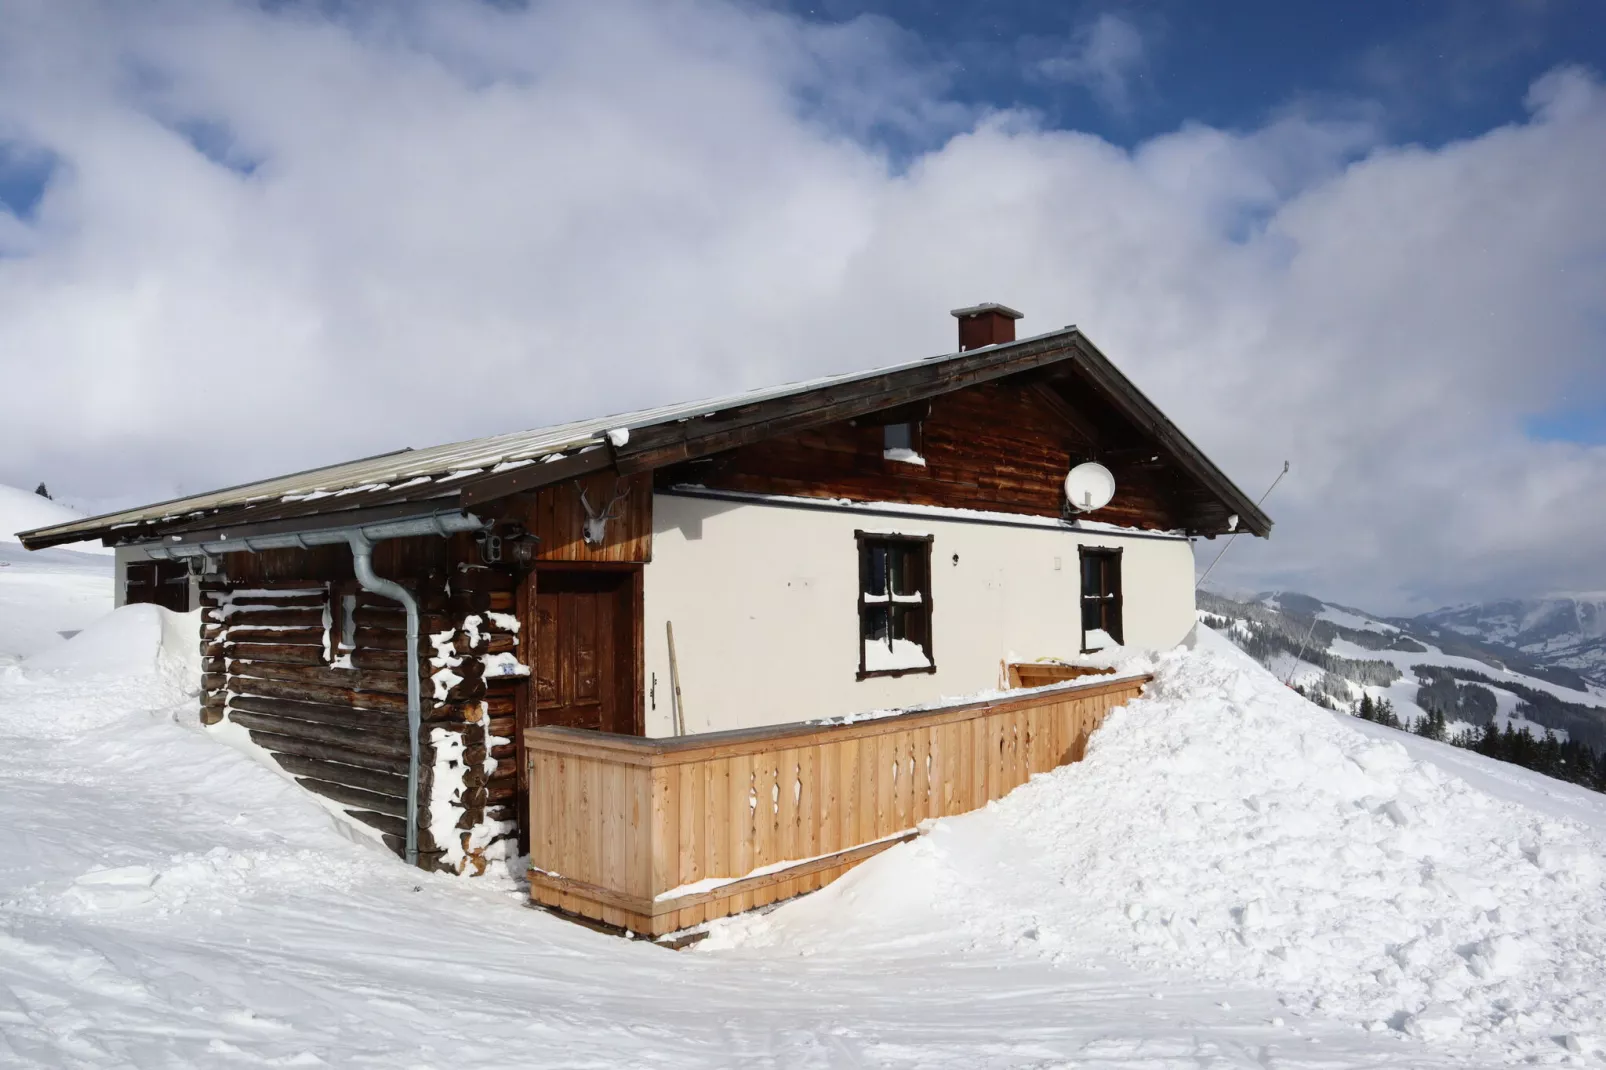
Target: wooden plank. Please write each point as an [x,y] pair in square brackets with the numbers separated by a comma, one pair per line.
[356,679]
[318,694]
[275,652]
[662,834]
[758,740]
[238,633]
[850,793]
[394,805]
[886,787]
[690,830]
[253,618]
[371,780]
[827,798]
[720,823]
[743,811]
[367,740]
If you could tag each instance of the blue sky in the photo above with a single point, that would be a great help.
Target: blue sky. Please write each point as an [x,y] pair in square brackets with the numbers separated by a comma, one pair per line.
[1426,71]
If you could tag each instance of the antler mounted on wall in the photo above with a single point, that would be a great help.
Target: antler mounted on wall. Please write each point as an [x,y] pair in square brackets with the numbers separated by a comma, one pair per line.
[594,529]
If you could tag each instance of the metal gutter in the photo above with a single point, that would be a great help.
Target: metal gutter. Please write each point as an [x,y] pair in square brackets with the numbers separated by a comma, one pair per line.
[361,539]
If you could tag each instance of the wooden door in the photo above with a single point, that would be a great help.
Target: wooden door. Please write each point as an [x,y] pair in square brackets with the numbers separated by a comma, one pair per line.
[582,636]
[584,650]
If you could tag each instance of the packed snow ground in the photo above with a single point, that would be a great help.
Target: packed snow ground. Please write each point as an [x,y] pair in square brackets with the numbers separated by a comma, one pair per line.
[1232,879]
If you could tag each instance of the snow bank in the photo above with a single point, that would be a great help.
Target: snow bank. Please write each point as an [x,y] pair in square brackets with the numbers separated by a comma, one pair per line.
[136,640]
[23,510]
[1224,827]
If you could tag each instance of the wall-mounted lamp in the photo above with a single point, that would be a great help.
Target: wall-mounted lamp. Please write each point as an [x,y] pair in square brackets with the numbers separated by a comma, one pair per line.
[511,543]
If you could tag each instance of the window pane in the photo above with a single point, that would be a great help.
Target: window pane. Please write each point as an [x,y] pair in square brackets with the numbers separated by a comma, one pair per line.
[913,624]
[1090,574]
[875,622]
[876,580]
[898,437]
[897,569]
[1091,615]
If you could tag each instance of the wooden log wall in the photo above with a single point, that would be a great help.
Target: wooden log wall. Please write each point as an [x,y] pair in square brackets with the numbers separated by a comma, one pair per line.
[623,829]
[474,676]
[335,719]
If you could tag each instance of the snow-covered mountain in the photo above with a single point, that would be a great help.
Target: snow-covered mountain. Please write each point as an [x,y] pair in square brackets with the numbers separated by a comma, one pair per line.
[1338,654]
[23,510]
[1566,631]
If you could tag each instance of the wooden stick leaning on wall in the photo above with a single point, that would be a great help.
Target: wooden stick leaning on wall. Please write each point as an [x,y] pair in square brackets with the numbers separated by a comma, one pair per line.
[674,680]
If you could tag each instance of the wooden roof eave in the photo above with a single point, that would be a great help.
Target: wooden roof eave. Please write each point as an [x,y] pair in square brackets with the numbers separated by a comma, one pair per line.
[1136,406]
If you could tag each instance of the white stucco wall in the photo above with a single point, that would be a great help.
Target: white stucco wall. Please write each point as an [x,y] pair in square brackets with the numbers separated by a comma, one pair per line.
[125,554]
[764,603]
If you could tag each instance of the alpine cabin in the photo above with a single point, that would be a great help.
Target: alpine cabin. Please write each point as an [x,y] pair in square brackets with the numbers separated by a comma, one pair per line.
[698,658]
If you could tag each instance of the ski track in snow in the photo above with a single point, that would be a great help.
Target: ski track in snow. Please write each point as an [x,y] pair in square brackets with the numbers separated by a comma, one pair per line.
[165,901]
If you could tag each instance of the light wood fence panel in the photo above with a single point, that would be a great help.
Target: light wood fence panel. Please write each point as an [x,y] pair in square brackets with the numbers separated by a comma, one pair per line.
[656,835]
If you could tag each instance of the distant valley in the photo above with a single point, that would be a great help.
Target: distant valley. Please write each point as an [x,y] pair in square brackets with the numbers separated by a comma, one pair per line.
[1537,665]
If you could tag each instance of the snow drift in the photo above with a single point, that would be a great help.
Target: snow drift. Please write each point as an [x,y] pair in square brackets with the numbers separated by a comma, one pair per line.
[1224,827]
[132,641]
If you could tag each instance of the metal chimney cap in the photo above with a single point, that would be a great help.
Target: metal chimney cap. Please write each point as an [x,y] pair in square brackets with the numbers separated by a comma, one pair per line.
[988,306]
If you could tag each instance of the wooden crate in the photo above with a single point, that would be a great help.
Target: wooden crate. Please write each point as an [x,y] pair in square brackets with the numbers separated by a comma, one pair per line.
[1044,673]
[655,835]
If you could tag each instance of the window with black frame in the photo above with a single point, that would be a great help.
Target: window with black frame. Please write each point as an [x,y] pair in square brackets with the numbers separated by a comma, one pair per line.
[894,604]
[1101,598]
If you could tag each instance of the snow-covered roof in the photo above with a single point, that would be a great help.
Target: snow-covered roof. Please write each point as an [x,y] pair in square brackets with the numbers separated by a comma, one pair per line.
[421,475]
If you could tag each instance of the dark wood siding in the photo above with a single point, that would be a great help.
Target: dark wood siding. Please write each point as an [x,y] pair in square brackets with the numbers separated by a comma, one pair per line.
[1003,446]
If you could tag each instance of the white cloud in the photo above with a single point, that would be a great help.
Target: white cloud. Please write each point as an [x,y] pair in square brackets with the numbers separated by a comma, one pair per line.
[1104,56]
[464,220]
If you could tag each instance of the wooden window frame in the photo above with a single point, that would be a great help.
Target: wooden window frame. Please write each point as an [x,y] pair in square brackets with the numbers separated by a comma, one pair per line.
[340,617]
[1116,597]
[862,540]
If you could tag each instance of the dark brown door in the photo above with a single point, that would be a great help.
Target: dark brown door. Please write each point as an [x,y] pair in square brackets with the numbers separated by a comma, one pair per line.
[162,583]
[585,650]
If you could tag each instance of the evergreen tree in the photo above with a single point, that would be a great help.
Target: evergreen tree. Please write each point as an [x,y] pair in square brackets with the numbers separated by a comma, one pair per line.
[1366,712]
[41,491]
[1488,742]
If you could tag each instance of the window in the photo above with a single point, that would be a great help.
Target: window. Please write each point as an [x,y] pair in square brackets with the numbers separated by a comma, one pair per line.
[901,442]
[1101,598]
[161,583]
[341,620]
[894,604]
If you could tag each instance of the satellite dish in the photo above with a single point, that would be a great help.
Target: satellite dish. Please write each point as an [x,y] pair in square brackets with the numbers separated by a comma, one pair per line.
[1088,487]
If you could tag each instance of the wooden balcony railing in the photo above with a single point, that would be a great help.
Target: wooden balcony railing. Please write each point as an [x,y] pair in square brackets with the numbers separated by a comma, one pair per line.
[656,835]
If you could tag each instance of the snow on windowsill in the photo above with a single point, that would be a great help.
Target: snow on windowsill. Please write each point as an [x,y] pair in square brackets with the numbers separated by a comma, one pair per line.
[905,456]
[900,654]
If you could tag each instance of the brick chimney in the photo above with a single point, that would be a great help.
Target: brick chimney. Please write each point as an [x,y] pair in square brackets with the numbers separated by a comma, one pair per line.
[985,325]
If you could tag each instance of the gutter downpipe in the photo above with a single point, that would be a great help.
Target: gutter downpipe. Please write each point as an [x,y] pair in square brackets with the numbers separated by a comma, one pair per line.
[361,539]
[362,561]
